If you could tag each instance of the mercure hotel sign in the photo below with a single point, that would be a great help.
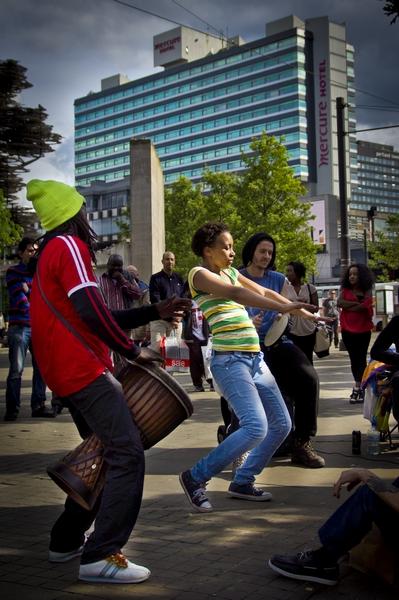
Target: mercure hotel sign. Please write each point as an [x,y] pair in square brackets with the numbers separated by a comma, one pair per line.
[323,115]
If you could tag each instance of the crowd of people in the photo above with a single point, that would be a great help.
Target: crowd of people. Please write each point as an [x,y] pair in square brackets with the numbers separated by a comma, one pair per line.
[94,324]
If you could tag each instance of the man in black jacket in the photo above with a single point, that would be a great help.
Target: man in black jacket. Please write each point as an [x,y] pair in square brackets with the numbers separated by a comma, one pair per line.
[165,284]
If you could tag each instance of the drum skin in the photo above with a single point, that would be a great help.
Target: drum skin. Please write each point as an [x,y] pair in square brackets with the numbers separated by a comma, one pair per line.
[158,404]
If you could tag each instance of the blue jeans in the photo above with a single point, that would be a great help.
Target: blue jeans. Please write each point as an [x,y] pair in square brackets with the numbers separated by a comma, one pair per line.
[19,341]
[353,520]
[251,390]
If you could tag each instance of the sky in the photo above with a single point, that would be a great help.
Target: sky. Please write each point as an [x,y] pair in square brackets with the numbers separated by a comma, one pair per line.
[68,46]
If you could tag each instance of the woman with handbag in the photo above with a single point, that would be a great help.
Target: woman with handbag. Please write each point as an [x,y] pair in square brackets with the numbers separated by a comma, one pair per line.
[238,368]
[302,331]
[301,387]
[356,303]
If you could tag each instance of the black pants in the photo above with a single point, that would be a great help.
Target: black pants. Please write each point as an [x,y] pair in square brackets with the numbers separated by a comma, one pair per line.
[197,370]
[297,378]
[101,408]
[357,345]
[305,343]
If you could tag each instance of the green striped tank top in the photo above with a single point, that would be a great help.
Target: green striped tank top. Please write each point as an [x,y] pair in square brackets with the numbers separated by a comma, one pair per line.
[230,325]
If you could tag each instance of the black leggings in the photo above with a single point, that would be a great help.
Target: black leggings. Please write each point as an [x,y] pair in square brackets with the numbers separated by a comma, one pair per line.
[357,345]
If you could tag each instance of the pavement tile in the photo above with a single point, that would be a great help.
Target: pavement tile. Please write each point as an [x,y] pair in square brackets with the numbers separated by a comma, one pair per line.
[192,556]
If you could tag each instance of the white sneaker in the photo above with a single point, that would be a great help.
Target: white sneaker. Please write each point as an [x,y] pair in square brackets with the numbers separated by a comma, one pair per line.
[114,569]
[61,557]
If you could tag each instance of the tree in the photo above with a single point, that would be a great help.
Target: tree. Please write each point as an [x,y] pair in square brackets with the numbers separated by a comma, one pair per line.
[384,251]
[265,197]
[24,134]
[185,211]
[10,232]
[391,9]
[269,200]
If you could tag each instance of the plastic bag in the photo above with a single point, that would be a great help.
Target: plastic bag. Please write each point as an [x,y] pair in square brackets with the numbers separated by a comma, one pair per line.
[206,357]
[175,353]
[322,342]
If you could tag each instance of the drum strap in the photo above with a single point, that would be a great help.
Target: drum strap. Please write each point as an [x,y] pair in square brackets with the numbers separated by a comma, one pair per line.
[61,318]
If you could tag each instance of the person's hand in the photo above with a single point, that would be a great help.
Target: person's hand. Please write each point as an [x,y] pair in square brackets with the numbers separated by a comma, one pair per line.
[293,307]
[326,319]
[25,288]
[148,356]
[351,479]
[172,307]
[257,320]
[118,276]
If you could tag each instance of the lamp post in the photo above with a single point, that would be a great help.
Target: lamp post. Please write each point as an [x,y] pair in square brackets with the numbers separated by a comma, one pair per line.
[343,202]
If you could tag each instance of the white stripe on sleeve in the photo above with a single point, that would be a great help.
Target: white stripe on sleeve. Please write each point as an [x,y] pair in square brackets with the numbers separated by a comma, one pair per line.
[77,258]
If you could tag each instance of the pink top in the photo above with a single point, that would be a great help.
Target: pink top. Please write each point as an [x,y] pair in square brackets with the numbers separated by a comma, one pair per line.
[354,321]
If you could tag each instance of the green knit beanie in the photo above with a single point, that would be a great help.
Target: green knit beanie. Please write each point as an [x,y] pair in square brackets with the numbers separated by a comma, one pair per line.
[53,201]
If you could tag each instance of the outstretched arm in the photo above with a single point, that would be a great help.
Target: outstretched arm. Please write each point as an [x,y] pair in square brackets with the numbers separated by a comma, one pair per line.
[250,294]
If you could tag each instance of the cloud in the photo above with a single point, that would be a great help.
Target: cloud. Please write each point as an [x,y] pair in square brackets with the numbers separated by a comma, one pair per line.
[69,46]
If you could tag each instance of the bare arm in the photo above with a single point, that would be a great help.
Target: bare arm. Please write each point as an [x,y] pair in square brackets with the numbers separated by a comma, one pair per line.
[353,477]
[251,294]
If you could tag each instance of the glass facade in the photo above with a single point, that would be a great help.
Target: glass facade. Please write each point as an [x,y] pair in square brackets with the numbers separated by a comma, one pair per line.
[201,114]
[378,178]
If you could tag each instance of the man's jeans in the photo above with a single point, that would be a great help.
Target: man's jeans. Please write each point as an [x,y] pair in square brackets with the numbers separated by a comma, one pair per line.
[251,390]
[353,520]
[19,341]
[101,407]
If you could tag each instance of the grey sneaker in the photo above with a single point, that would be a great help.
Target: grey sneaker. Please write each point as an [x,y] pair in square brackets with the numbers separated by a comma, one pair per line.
[195,492]
[248,492]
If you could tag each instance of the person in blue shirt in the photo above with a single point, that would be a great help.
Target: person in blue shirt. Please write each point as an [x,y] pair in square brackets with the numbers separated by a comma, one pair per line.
[19,283]
[294,373]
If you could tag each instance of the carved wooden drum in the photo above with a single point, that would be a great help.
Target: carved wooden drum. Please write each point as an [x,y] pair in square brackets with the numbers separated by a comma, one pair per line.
[158,404]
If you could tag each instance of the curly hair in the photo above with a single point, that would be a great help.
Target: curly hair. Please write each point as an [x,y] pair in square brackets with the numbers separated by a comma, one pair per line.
[250,248]
[206,236]
[299,268]
[365,277]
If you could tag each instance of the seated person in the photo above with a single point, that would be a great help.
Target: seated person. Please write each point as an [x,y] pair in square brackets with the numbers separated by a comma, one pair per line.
[375,501]
[382,351]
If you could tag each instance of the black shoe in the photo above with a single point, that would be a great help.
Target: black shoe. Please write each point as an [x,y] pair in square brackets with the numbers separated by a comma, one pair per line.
[43,413]
[11,416]
[195,492]
[305,567]
[357,396]
[221,434]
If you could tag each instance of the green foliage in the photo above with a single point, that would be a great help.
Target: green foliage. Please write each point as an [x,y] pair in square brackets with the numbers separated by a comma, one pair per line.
[391,9]
[384,251]
[269,200]
[264,197]
[185,211]
[123,224]
[24,134]
[10,232]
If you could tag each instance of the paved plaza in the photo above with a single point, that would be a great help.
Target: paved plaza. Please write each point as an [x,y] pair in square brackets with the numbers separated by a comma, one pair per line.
[192,556]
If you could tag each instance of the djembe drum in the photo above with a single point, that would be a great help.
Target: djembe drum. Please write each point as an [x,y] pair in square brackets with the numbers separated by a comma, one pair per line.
[158,404]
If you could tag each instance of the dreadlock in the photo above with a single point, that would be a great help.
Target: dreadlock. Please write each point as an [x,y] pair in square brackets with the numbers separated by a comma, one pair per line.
[77,226]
